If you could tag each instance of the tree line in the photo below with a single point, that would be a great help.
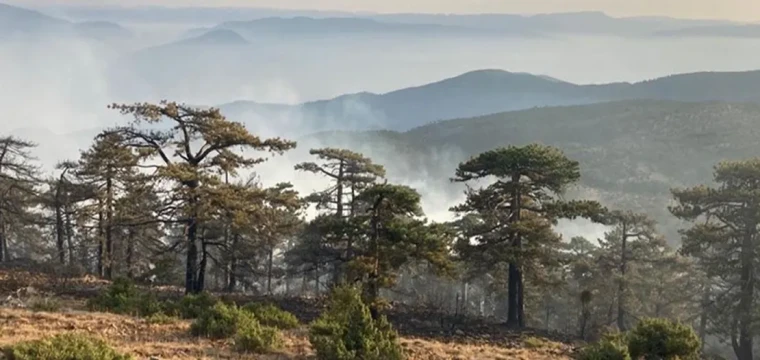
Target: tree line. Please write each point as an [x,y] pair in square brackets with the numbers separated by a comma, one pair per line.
[163,199]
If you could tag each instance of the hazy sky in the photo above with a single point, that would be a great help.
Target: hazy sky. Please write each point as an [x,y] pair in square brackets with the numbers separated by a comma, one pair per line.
[742,10]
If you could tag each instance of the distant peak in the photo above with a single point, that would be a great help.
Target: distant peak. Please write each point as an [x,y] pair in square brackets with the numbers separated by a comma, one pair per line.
[218,36]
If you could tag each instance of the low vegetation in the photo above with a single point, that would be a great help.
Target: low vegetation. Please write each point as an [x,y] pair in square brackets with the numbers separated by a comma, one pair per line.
[63,347]
[650,339]
[270,315]
[346,331]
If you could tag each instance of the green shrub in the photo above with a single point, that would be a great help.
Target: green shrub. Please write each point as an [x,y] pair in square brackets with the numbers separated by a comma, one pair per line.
[45,305]
[271,315]
[606,349]
[663,339]
[122,297]
[221,321]
[346,331]
[256,338]
[160,319]
[192,306]
[63,347]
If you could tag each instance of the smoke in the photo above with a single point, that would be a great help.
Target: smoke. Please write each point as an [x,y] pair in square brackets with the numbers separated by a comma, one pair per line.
[55,91]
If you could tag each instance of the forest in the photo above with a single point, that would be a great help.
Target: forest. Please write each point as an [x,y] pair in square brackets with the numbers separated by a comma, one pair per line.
[172,198]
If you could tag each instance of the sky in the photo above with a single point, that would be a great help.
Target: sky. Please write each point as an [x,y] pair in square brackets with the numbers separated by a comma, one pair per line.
[739,10]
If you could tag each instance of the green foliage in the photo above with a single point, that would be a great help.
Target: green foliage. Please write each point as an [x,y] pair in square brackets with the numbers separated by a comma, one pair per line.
[257,338]
[271,315]
[346,331]
[63,347]
[606,349]
[193,305]
[45,305]
[160,319]
[663,339]
[122,297]
[221,321]
[533,342]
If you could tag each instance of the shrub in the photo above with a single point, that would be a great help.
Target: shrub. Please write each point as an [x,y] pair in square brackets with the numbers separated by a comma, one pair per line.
[192,306]
[254,337]
[122,297]
[45,305]
[271,315]
[346,331]
[663,339]
[606,349]
[63,347]
[160,319]
[221,321]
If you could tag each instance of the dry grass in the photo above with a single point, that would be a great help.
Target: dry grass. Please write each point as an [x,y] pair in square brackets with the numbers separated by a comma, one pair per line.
[173,341]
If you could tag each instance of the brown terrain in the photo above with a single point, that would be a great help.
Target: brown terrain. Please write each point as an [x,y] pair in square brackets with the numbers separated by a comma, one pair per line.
[425,335]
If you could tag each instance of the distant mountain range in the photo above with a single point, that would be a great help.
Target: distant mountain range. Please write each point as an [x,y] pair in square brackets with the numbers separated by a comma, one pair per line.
[484,92]
[18,21]
[295,22]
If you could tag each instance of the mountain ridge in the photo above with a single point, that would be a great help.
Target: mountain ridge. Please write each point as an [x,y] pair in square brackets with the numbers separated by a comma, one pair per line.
[487,91]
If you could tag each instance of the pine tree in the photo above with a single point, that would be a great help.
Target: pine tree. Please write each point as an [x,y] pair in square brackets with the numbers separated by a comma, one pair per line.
[18,180]
[724,241]
[394,235]
[512,217]
[351,173]
[194,149]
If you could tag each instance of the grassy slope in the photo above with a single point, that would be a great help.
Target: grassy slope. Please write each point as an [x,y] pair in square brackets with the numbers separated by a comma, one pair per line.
[173,341]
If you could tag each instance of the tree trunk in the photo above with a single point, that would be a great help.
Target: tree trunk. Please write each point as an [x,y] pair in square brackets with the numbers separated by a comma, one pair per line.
[69,233]
[515,306]
[703,315]
[3,240]
[201,280]
[130,253]
[100,238]
[109,228]
[59,231]
[270,261]
[232,280]
[191,272]
[746,309]
[338,269]
[621,285]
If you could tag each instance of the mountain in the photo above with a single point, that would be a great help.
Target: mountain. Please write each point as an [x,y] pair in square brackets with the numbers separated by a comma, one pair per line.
[560,23]
[215,37]
[728,30]
[631,152]
[102,30]
[341,26]
[16,20]
[484,92]
[21,21]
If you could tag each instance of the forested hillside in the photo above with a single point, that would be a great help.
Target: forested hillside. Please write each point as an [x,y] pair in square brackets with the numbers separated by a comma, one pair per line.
[169,205]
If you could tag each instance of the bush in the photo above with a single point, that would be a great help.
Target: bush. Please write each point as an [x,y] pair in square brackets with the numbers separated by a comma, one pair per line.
[160,319]
[254,337]
[663,339]
[63,347]
[192,306]
[346,331]
[606,349]
[221,321]
[122,297]
[271,315]
[45,305]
